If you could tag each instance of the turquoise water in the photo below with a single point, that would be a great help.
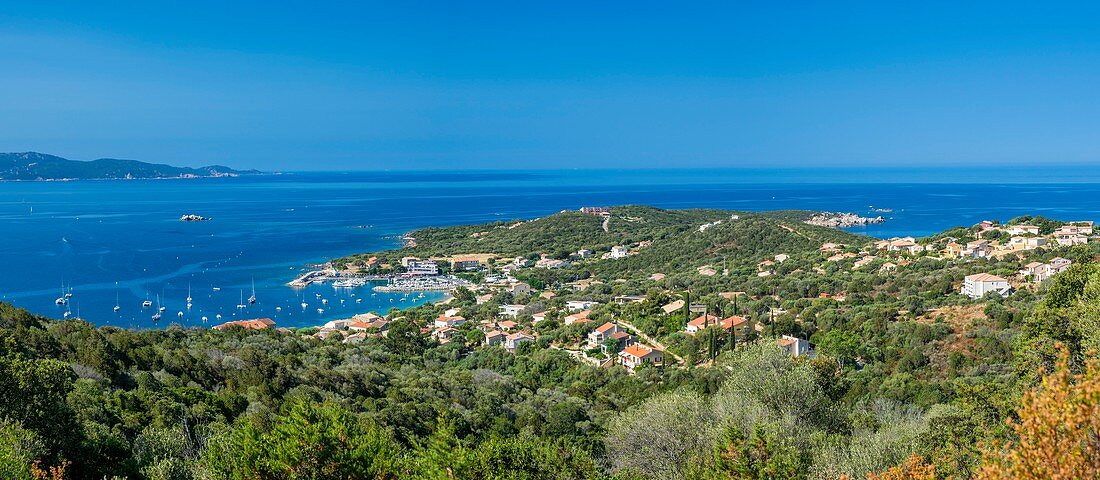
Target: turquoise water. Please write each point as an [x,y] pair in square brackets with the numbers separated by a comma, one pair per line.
[90,235]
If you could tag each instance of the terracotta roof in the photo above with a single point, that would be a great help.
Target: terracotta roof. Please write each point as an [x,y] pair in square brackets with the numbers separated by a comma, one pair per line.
[638,350]
[703,320]
[985,277]
[605,327]
[734,321]
[253,324]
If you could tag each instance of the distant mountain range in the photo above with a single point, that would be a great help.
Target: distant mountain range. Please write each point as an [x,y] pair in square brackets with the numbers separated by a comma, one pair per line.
[40,166]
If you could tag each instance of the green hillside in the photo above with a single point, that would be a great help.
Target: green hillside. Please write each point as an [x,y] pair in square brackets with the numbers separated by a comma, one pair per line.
[675,241]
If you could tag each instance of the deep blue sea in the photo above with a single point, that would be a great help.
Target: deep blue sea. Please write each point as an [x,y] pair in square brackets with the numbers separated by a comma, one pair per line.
[103,239]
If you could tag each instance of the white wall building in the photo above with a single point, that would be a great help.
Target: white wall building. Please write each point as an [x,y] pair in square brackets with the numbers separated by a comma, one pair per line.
[979,284]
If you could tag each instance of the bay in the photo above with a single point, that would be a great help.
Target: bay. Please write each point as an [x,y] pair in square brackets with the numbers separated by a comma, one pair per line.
[93,235]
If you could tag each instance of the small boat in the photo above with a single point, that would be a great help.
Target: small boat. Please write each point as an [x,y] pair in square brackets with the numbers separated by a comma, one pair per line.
[117,307]
[217,289]
[241,305]
[179,314]
[252,299]
[320,311]
[304,305]
[278,309]
[156,317]
[204,319]
[218,316]
[146,304]
[324,301]
[189,299]
[318,295]
[63,299]
[358,300]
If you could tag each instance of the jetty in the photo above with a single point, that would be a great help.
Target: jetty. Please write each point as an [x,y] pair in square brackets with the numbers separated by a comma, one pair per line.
[439,283]
[322,275]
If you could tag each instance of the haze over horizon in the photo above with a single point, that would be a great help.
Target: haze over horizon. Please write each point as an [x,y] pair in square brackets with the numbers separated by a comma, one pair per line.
[434,85]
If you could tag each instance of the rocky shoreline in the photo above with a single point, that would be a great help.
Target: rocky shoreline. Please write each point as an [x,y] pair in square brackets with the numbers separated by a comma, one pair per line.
[842,220]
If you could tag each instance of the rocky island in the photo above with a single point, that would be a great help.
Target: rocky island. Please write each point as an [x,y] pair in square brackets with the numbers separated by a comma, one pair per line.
[842,220]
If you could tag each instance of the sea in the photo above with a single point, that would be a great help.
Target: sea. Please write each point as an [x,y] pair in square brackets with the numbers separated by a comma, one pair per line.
[120,243]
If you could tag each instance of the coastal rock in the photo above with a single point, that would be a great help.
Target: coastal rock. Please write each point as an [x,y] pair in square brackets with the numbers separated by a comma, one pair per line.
[190,217]
[842,220]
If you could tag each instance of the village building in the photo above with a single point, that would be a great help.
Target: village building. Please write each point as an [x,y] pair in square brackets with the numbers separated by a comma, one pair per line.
[513,341]
[422,267]
[251,324]
[700,323]
[978,285]
[794,346]
[977,249]
[624,299]
[517,288]
[578,305]
[1023,230]
[442,321]
[465,264]
[538,317]
[494,337]
[1069,238]
[637,354]
[444,335]
[619,251]
[511,311]
[601,333]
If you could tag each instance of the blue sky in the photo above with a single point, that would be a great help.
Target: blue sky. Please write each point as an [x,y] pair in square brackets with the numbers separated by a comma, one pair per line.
[423,85]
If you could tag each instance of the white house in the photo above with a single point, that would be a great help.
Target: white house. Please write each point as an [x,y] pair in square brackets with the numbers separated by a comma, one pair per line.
[494,337]
[513,341]
[979,284]
[794,346]
[700,323]
[1067,239]
[578,305]
[511,311]
[619,251]
[635,355]
[445,321]
[422,267]
[1023,230]
[601,334]
[538,317]
[977,249]
[1060,263]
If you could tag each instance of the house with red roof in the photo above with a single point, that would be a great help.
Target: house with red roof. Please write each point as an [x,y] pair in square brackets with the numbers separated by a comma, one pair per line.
[252,324]
[636,355]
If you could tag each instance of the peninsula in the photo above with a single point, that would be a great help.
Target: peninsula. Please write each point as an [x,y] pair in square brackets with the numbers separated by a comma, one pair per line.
[34,166]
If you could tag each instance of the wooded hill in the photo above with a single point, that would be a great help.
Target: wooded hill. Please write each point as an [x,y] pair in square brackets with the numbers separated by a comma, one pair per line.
[732,239]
